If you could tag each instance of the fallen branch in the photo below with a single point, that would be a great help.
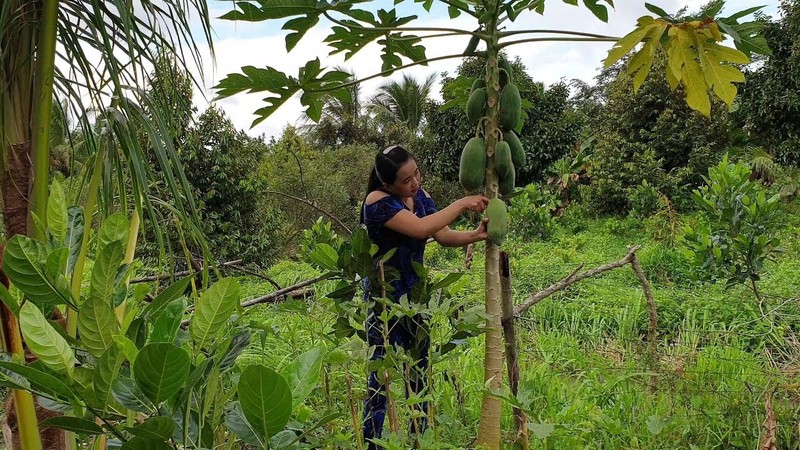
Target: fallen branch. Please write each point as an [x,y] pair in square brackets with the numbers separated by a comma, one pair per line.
[573,278]
[182,273]
[512,352]
[256,274]
[278,295]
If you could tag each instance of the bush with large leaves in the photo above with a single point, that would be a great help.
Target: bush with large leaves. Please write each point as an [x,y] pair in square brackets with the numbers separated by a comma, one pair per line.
[135,358]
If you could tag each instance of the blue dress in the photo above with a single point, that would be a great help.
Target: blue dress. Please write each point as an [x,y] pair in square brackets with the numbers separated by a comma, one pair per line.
[409,334]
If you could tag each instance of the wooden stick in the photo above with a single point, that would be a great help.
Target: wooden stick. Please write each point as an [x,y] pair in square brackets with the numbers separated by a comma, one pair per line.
[653,322]
[315,206]
[512,353]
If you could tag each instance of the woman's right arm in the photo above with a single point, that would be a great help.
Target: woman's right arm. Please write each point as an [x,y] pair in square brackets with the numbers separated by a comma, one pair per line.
[405,222]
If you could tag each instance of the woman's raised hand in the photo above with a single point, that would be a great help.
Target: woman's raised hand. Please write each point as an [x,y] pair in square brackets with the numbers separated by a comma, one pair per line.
[475,203]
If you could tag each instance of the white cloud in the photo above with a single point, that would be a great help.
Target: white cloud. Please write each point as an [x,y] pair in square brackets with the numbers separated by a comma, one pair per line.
[546,61]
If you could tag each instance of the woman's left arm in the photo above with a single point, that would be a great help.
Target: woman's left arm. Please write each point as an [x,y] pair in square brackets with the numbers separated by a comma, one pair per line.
[447,237]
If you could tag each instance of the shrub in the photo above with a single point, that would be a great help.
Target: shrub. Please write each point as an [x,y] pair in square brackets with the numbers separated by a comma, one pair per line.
[644,200]
[738,229]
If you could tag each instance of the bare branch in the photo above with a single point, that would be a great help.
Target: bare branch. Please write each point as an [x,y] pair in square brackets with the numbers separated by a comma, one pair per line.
[573,278]
[651,303]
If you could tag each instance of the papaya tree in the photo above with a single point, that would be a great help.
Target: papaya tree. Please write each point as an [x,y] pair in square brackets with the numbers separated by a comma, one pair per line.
[699,66]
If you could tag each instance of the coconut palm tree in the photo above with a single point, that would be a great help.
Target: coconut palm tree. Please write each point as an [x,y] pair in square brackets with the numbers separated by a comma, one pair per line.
[94,55]
[402,102]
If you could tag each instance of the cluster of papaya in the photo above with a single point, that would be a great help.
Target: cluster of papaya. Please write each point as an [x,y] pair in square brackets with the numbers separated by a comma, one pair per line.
[508,152]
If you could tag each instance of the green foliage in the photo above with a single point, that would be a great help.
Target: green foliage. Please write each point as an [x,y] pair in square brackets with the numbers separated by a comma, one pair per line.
[739,226]
[768,104]
[531,213]
[644,200]
[650,135]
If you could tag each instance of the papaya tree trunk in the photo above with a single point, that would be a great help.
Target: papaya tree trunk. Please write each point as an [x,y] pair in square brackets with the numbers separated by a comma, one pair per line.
[489,427]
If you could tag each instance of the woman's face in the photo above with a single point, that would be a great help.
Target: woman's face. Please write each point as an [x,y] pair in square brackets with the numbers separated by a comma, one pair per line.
[408,180]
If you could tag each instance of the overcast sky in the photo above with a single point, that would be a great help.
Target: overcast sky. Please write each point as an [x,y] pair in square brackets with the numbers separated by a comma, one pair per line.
[261,44]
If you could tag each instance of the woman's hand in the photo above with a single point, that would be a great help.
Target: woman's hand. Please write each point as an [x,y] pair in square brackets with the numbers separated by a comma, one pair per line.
[480,233]
[474,203]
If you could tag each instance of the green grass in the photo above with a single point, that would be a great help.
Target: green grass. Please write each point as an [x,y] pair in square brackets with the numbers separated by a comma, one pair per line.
[587,379]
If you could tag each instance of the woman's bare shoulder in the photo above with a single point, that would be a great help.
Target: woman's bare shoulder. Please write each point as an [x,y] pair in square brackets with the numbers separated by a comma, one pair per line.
[374,196]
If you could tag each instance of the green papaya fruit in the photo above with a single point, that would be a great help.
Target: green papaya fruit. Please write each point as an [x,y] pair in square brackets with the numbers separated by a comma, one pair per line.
[510,107]
[498,221]
[477,84]
[472,45]
[517,151]
[472,167]
[505,78]
[503,63]
[502,159]
[506,184]
[476,105]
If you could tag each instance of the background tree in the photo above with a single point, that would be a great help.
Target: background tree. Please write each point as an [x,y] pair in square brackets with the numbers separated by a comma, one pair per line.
[402,102]
[769,106]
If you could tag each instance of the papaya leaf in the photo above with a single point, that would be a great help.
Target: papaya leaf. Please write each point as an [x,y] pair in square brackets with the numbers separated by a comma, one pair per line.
[212,310]
[641,62]
[627,43]
[718,76]
[44,341]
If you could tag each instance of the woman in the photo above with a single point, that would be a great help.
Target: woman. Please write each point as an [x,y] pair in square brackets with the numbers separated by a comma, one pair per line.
[400,215]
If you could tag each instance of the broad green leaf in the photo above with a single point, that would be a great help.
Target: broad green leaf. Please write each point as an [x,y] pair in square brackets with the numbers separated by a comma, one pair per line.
[11,303]
[44,341]
[114,229]
[74,424]
[24,262]
[266,400]
[656,10]
[274,9]
[656,424]
[97,325]
[197,377]
[165,328]
[213,309]
[325,256]
[41,381]
[57,212]
[127,393]
[138,443]
[165,297]
[238,344]
[302,374]
[74,237]
[154,428]
[541,430]
[127,347]
[105,372]
[239,426]
[161,370]
[104,273]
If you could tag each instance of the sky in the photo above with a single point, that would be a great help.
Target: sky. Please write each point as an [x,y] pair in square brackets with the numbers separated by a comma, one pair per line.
[261,44]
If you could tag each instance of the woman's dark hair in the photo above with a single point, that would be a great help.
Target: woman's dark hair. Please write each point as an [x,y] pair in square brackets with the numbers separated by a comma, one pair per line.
[387,162]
